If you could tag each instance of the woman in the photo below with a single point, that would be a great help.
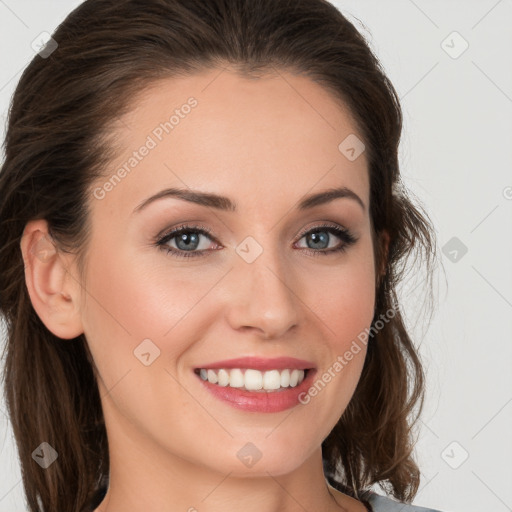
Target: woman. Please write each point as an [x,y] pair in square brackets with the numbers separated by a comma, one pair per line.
[203,228]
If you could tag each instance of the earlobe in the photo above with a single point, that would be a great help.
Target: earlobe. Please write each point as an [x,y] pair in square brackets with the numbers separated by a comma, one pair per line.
[53,291]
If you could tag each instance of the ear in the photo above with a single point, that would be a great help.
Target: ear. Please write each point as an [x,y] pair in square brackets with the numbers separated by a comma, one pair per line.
[53,290]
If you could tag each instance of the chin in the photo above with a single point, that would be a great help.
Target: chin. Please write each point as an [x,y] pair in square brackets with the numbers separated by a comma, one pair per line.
[259,459]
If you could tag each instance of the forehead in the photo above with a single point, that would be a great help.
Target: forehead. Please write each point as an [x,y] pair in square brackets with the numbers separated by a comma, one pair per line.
[266,139]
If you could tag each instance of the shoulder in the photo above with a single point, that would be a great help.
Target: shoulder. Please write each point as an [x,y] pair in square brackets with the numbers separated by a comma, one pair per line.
[384,504]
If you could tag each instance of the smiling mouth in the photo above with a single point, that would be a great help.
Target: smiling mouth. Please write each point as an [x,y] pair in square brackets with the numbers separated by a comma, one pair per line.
[248,379]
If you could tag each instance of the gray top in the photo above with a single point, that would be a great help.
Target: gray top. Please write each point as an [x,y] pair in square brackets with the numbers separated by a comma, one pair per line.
[377,502]
[384,504]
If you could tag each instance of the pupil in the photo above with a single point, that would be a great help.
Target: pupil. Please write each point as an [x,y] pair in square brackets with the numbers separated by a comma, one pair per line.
[320,237]
[183,238]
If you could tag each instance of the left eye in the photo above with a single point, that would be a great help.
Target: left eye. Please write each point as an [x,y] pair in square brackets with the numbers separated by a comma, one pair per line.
[320,237]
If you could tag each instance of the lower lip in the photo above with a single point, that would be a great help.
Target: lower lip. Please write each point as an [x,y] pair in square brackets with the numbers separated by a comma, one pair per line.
[260,401]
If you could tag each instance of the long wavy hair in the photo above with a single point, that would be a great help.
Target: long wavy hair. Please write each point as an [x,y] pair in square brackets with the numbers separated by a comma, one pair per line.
[58,142]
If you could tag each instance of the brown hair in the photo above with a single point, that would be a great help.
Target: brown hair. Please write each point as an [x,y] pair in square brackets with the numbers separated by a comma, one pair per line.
[57,145]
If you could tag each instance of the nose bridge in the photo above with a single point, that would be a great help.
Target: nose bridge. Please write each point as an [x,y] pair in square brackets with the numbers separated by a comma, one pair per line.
[264,298]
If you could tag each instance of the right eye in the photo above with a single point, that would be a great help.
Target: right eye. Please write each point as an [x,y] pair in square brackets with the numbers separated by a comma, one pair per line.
[187,239]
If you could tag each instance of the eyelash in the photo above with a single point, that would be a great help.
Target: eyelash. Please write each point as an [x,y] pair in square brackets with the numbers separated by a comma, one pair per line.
[344,234]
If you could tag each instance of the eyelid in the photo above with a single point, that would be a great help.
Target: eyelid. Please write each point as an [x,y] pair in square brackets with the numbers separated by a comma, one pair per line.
[315,227]
[209,232]
[169,233]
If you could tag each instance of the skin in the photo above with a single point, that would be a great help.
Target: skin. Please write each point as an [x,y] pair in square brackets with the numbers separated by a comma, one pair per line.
[265,144]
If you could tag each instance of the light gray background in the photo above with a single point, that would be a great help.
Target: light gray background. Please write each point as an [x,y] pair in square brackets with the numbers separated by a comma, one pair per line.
[456,158]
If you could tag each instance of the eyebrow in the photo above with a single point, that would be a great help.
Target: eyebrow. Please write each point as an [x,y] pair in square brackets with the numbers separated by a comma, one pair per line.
[224,203]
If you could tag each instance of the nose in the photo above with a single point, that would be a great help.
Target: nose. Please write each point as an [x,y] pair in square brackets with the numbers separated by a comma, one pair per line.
[261,296]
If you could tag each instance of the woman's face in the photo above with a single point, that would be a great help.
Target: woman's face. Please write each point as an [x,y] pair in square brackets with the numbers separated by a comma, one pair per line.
[266,283]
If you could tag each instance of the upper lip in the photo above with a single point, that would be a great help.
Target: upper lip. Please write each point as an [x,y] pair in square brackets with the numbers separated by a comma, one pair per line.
[260,363]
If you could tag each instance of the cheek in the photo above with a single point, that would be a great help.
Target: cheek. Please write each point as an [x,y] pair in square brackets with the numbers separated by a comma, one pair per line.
[344,300]
[347,313]
[129,301]
[343,303]
[120,311]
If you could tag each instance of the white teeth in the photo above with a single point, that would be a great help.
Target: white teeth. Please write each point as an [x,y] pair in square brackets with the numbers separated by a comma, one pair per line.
[223,376]
[272,380]
[212,377]
[253,380]
[236,378]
